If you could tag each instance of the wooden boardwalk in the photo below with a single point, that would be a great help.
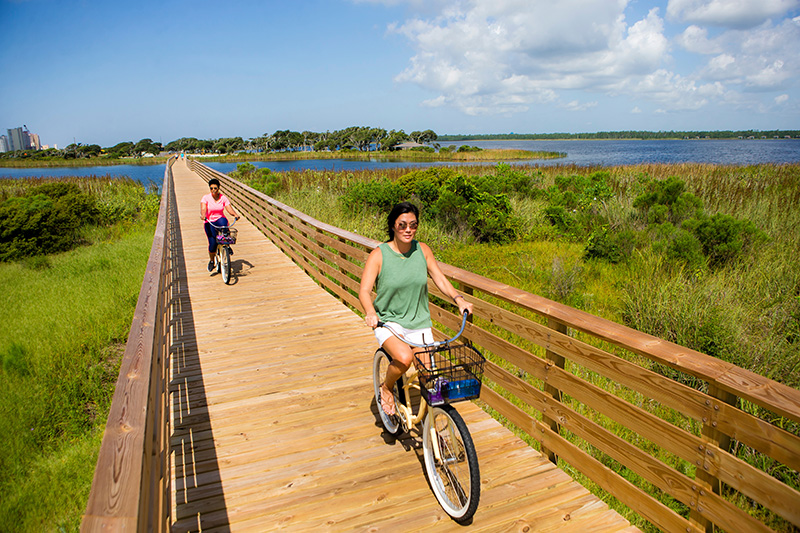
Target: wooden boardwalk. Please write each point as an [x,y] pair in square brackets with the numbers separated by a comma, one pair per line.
[274,425]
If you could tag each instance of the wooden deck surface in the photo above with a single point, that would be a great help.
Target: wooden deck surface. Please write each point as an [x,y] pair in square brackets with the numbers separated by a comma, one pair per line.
[274,422]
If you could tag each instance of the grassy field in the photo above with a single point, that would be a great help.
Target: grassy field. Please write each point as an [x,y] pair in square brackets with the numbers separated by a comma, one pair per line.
[59,357]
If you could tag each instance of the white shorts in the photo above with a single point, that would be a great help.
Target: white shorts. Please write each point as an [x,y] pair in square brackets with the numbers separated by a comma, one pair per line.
[420,336]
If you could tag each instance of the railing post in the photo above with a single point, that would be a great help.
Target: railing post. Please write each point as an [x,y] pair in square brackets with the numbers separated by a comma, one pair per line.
[704,473]
[553,360]
[342,269]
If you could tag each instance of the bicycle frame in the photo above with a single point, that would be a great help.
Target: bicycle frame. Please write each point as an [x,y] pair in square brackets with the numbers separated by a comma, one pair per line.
[410,381]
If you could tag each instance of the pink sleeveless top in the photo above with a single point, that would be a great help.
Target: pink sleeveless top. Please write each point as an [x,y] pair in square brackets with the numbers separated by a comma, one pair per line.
[215,209]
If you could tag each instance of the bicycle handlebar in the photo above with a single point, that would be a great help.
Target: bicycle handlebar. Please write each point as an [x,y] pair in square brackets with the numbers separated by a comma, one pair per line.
[222,227]
[436,343]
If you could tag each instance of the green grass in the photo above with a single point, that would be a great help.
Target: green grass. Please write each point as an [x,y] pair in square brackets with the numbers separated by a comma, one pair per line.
[68,317]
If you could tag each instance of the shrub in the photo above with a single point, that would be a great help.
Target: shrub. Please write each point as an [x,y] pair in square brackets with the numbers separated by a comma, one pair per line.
[723,237]
[47,220]
[263,180]
[667,201]
[381,194]
[425,184]
[678,244]
[559,217]
[507,180]
[489,217]
[467,148]
[611,246]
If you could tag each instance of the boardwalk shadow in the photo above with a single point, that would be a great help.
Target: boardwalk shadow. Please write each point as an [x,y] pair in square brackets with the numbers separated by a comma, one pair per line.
[199,500]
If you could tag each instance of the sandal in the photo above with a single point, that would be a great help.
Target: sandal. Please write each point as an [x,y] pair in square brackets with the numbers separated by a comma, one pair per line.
[387,401]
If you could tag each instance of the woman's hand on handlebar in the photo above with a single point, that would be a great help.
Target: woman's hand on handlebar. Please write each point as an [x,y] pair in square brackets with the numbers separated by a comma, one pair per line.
[371,320]
[463,306]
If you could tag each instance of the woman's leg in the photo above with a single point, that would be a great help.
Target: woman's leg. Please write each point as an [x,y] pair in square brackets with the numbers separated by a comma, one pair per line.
[402,356]
[211,233]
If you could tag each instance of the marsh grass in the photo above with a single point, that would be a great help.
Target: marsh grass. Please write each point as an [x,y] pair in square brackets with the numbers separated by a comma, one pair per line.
[68,316]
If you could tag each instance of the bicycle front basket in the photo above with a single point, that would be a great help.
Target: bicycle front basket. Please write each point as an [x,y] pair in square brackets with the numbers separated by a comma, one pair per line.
[450,373]
[227,236]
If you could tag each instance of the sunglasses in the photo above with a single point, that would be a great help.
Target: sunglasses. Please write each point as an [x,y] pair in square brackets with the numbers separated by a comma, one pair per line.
[214,188]
[402,225]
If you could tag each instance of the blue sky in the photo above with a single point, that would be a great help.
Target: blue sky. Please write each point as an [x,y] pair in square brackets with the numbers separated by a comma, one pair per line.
[103,72]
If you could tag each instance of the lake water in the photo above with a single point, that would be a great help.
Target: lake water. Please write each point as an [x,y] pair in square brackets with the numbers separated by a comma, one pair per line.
[583,153]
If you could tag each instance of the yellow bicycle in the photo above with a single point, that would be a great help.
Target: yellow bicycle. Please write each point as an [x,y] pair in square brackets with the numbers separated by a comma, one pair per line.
[442,373]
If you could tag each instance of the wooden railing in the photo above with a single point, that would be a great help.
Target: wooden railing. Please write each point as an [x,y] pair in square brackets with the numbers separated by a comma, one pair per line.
[590,390]
[130,490]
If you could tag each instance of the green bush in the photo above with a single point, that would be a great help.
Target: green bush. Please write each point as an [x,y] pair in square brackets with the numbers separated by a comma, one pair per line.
[264,180]
[576,203]
[467,148]
[611,246]
[559,217]
[508,180]
[425,184]
[488,217]
[677,244]
[47,220]
[723,237]
[667,201]
[381,194]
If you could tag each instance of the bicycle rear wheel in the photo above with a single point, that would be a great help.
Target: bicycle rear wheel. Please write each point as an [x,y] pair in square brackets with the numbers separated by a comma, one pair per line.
[451,462]
[380,363]
[225,264]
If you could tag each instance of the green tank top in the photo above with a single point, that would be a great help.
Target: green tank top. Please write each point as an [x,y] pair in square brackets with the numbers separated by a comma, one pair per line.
[402,288]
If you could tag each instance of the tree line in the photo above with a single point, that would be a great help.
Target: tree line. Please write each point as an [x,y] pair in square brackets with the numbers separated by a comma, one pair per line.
[624,135]
[361,138]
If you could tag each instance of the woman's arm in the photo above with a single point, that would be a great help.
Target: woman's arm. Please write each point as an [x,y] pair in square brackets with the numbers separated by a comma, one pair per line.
[371,270]
[203,210]
[231,210]
[442,282]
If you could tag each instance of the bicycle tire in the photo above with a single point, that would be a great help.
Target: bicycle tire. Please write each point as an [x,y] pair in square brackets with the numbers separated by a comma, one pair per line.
[455,478]
[380,362]
[225,264]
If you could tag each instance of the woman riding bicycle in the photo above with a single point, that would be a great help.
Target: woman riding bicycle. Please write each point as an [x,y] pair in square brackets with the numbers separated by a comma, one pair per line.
[212,210]
[401,266]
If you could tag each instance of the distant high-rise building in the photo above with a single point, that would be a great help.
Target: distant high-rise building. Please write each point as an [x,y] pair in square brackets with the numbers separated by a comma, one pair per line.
[3,144]
[19,139]
[35,142]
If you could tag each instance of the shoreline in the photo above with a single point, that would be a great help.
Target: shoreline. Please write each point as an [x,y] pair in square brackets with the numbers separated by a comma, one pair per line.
[477,156]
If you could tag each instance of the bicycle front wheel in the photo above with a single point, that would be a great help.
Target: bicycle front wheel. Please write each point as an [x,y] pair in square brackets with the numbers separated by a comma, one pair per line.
[225,264]
[451,462]
[380,363]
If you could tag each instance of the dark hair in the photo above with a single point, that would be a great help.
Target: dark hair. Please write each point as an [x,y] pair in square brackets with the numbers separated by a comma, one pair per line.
[213,181]
[399,209]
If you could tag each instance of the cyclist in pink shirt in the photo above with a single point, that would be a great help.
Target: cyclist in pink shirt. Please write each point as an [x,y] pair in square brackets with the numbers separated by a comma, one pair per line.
[212,209]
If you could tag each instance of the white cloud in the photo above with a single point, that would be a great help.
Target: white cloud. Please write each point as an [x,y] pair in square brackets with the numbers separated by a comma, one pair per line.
[695,39]
[763,58]
[485,56]
[577,106]
[729,13]
[490,57]
[636,110]
[782,99]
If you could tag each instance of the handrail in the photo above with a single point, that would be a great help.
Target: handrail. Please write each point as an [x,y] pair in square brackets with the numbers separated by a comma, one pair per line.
[131,481]
[551,378]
